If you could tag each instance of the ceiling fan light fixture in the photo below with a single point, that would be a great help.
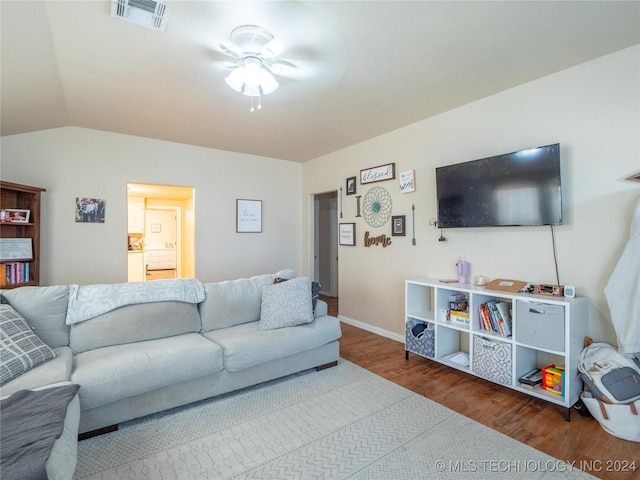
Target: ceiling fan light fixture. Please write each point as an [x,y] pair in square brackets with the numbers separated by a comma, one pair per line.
[236,79]
[251,76]
[267,82]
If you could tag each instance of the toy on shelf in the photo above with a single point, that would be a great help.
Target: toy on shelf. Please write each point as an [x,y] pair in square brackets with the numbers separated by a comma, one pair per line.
[553,379]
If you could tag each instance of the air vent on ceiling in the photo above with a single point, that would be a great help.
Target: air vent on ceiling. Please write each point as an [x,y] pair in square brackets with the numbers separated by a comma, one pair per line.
[146,13]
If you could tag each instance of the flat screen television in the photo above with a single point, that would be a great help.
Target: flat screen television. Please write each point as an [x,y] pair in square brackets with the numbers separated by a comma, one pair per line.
[521,188]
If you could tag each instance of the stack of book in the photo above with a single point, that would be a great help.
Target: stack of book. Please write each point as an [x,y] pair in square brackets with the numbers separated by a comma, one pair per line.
[495,316]
[14,273]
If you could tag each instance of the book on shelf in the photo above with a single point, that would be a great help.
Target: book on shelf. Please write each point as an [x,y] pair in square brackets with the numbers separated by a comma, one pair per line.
[496,317]
[14,273]
[504,310]
[459,317]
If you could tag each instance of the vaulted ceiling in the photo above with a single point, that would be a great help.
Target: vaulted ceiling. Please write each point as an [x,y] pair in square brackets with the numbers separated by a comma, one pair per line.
[362,68]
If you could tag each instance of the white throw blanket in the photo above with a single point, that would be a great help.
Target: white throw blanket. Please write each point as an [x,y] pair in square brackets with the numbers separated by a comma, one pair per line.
[88,301]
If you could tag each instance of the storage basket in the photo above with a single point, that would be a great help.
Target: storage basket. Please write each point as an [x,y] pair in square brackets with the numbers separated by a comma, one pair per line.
[492,360]
[420,338]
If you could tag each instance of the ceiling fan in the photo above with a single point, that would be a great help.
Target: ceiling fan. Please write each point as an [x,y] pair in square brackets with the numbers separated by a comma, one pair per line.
[255,52]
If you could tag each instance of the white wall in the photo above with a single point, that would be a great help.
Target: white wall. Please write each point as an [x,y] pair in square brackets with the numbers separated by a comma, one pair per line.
[592,110]
[73,162]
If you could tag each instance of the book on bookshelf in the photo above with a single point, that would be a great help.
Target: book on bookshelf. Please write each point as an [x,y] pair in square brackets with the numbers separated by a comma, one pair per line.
[495,317]
[14,273]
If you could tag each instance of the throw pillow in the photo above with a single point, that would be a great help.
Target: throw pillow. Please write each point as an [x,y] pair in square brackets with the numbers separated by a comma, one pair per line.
[20,348]
[315,290]
[286,304]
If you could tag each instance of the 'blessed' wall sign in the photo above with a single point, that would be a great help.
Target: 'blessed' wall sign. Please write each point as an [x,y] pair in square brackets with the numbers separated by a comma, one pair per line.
[378,174]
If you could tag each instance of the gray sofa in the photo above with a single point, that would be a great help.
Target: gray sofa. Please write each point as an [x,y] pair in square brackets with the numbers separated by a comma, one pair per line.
[143,358]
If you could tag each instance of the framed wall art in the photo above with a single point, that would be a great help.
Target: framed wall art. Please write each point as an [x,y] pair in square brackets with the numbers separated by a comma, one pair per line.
[248,216]
[378,174]
[407,181]
[351,185]
[398,228]
[90,210]
[347,234]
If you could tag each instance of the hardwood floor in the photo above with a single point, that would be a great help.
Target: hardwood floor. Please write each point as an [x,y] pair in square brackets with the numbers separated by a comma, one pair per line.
[539,424]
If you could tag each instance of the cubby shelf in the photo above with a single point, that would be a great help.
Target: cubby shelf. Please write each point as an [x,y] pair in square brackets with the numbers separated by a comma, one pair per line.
[552,331]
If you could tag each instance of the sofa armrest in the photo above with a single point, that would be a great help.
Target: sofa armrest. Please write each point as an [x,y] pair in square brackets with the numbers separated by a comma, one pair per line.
[321,309]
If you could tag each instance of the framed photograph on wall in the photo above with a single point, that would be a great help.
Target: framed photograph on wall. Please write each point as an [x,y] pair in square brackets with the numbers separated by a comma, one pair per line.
[90,210]
[248,216]
[398,226]
[351,185]
[347,234]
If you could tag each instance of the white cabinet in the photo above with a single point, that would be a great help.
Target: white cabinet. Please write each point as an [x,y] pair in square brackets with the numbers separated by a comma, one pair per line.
[135,267]
[160,259]
[544,330]
[135,217]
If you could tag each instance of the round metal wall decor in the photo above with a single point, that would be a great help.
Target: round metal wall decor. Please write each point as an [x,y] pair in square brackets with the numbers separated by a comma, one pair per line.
[377,207]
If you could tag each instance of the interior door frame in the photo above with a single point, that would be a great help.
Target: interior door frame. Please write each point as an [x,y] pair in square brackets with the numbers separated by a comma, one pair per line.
[178,245]
[317,235]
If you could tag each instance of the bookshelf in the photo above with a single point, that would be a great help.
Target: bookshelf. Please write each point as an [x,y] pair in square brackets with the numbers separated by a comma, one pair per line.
[545,330]
[15,236]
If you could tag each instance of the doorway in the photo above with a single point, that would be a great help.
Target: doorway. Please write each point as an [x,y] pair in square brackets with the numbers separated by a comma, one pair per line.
[325,242]
[161,232]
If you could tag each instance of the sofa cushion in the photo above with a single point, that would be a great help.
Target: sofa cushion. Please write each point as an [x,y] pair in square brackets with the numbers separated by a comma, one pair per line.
[20,348]
[233,302]
[44,309]
[245,346]
[315,290]
[286,304]
[135,323]
[32,421]
[53,371]
[111,373]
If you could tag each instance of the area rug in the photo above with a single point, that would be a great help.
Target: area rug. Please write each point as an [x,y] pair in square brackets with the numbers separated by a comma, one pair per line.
[343,422]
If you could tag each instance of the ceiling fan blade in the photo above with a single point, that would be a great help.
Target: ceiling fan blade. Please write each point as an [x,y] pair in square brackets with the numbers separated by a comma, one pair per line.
[271,49]
[281,67]
[284,63]
[232,50]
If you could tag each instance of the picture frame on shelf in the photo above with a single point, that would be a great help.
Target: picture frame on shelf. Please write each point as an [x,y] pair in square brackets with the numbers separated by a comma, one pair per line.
[351,185]
[248,216]
[398,225]
[347,234]
[17,215]
[14,249]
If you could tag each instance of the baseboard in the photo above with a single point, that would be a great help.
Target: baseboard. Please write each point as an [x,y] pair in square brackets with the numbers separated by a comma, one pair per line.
[370,328]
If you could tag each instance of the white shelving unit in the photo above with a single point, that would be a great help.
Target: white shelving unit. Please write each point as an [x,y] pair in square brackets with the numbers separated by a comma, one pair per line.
[546,330]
